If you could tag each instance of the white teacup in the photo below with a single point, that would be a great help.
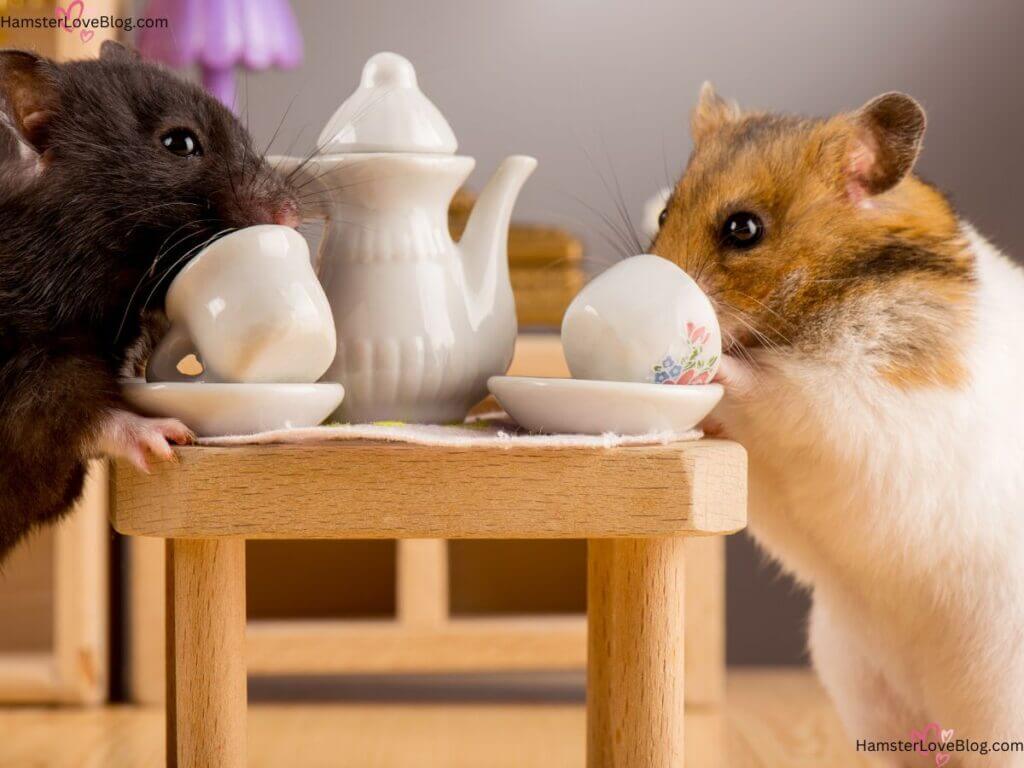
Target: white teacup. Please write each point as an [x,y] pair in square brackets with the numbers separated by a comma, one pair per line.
[642,320]
[250,308]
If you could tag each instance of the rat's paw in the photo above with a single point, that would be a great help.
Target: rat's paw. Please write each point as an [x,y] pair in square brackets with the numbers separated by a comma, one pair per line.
[127,435]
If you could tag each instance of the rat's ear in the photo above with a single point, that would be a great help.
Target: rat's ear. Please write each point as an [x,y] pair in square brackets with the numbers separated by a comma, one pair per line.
[711,113]
[886,142]
[29,97]
[111,50]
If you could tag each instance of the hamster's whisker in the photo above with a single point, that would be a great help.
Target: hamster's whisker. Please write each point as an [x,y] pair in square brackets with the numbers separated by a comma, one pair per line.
[703,264]
[743,313]
[664,162]
[761,335]
[615,246]
[757,334]
[632,239]
[762,304]
[621,244]
[620,204]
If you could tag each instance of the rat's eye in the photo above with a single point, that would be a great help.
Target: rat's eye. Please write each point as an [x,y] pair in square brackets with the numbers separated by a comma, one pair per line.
[182,142]
[742,230]
[662,216]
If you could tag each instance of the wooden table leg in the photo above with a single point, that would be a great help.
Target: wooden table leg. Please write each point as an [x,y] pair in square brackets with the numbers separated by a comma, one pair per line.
[206,674]
[635,653]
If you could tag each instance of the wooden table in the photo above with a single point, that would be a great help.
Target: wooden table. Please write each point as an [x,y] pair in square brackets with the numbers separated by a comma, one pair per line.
[634,505]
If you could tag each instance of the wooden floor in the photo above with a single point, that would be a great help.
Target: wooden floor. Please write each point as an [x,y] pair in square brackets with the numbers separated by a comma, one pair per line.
[774,719]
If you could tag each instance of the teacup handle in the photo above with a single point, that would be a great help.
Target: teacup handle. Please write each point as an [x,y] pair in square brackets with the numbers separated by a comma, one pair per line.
[163,363]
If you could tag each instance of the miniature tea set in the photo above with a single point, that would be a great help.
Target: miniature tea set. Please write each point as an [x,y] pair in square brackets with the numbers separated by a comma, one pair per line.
[635,328]
[250,307]
[404,324]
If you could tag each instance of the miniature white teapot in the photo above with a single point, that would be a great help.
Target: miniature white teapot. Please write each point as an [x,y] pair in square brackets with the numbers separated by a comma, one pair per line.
[422,322]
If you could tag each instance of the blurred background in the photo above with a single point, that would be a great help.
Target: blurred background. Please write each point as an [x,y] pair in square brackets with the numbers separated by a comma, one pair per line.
[602,90]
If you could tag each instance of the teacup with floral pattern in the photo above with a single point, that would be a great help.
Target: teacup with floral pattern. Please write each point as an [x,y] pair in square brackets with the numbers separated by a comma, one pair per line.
[642,320]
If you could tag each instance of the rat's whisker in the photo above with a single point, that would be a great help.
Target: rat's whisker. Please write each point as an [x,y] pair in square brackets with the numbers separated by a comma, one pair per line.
[150,273]
[307,159]
[185,256]
[149,209]
[280,123]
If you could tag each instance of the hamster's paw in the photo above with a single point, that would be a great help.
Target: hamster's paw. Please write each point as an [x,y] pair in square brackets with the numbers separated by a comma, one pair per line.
[737,376]
[127,435]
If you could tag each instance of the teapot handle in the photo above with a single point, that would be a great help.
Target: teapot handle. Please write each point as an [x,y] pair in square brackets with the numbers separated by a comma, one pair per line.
[307,174]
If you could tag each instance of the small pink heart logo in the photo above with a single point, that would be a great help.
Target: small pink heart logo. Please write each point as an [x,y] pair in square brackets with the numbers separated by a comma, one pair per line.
[73,12]
[929,733]
[947,736]
[941,759]
[87,35]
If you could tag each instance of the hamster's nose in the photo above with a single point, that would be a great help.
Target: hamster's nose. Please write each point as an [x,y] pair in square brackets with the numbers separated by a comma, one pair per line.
[287,214]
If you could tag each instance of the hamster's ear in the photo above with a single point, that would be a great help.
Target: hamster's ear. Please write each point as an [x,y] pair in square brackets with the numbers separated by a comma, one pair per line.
[886,142]
[711,113]
[29,97]
[111,50]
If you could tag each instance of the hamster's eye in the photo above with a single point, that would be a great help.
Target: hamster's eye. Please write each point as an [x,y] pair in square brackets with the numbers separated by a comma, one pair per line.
[742,230]
[662,216]
[182,142]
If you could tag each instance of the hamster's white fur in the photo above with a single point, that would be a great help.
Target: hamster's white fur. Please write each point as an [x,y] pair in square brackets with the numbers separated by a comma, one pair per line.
[903,511]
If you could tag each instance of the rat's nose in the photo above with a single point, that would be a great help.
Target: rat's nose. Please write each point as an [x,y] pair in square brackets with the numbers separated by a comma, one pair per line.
[287,214]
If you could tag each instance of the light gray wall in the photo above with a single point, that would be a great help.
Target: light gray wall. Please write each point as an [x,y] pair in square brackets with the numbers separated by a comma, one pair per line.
[592,87]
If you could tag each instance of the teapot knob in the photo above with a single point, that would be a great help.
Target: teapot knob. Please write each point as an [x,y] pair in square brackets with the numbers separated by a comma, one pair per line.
[388,69]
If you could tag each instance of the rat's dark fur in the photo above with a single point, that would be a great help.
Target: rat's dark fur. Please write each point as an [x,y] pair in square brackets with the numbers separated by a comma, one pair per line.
[96,215]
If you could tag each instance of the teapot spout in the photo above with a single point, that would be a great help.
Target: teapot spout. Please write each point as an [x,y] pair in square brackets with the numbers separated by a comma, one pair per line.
[484,243]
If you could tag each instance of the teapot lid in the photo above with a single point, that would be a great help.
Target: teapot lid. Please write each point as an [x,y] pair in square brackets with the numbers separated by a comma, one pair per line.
[388,113]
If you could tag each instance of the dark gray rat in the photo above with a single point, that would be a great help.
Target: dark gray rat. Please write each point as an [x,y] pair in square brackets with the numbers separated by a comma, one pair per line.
[112,172]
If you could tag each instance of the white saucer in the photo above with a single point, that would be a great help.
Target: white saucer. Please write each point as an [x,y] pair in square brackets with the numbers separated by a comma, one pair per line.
[577,406]
[235,409]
